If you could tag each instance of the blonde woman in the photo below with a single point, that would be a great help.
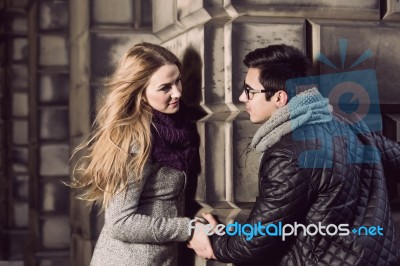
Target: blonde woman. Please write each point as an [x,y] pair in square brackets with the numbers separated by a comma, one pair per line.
[136,163]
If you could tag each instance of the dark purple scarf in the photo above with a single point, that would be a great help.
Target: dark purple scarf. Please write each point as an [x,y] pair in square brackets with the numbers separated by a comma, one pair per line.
[175,142]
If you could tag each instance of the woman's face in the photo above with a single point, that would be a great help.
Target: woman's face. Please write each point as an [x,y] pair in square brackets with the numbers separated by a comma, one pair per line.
[165,89]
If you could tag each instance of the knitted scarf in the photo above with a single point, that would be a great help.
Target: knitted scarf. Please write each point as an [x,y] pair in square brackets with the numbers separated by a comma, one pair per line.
[174,143]
[306,108]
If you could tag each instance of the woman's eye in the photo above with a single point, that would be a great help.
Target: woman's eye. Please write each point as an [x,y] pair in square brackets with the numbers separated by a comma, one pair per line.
[166,88]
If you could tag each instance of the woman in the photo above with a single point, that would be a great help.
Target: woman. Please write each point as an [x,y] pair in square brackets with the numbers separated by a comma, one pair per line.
[136,163]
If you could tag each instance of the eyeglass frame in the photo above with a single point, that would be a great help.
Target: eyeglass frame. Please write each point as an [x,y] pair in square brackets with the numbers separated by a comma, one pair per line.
[253,91]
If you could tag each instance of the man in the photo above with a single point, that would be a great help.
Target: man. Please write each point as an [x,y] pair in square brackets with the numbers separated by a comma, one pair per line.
[319,178]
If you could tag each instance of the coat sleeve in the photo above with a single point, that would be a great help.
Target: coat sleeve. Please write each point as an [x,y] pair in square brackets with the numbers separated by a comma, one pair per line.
[126,224]
[284,190]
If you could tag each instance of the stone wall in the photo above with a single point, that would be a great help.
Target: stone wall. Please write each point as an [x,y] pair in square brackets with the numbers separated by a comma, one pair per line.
[212,38]
[55,55]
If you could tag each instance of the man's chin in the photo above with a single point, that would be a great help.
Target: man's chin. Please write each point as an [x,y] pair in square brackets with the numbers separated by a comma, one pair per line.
[254,121]
[257,121]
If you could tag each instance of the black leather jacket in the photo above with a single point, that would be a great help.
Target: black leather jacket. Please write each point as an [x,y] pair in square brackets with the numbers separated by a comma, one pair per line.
[328,173]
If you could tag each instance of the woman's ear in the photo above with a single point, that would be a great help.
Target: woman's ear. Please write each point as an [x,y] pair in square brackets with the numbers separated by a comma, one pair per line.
[282,98]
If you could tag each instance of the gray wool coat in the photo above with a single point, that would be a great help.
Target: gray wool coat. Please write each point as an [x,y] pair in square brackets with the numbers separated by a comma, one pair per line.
[143,225]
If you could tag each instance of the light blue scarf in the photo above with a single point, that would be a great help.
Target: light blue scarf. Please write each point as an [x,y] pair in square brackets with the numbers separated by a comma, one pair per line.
[306,108]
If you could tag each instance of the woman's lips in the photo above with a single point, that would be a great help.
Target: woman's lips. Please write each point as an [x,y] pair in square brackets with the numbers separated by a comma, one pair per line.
[174,104]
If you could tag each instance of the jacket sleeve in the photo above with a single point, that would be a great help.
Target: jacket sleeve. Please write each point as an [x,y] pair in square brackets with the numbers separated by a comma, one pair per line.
[126,224]
[389,152]
[284,193]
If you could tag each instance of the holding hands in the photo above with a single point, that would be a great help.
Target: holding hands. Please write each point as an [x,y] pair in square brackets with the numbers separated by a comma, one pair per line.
[200,241]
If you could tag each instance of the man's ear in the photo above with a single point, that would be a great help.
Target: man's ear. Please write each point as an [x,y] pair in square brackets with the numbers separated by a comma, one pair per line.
[281,98]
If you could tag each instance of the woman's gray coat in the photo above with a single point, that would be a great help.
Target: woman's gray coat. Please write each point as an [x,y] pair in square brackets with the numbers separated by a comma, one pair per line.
[143,225]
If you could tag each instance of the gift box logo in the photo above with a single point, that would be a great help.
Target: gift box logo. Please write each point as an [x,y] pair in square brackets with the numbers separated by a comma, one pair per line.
[354,97]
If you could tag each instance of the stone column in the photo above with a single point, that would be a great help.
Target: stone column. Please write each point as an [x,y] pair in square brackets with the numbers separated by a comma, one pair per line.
[49,133]
[14,176]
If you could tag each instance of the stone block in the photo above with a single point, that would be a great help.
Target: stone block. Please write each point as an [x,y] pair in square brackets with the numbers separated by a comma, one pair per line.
[217,69]
[12,263]
[215,183]
[53,15]
[81,218]
[54,88]
[80,59]
[19,3]
[118,12]
[53,50]
[54,232]
[338,9]
[80,93]
[54,159]
[54,197]
[18,76]
[391,10]
[21,188]
[79,18]
[191,13]
[146,11]
[86,221]
[385,59]
[246,161]
[54,262]
[2,77]
[20,132]
[20,214]
[20,159]
[18,243]
[251,33]
[20,49]
[54,123]
[189,48]
[20,104]
[79,115]
[82,250]
[391,126]
[165,24]
[19,24]
[108,48]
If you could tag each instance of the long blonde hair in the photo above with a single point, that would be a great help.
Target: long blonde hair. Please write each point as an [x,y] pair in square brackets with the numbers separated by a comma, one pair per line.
[123,121]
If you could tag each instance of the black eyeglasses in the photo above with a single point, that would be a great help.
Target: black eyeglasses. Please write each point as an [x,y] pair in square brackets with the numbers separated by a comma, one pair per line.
[250,91]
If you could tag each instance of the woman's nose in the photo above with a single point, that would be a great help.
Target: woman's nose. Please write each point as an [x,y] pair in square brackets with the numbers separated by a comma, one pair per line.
[176,92]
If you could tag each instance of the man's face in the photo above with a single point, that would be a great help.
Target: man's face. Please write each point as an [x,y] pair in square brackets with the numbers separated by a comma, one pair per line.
[258,107]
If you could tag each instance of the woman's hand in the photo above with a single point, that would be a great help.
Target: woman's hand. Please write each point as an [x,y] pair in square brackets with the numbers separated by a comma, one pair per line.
[200,242]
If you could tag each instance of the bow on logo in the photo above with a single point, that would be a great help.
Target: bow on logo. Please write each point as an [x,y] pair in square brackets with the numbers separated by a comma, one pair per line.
[353,96]
[352,93]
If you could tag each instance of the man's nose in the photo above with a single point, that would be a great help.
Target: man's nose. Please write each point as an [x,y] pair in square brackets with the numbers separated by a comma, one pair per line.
[243,97]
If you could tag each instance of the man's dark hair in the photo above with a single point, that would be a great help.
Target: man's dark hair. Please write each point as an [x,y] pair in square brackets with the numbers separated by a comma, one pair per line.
[277,64]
